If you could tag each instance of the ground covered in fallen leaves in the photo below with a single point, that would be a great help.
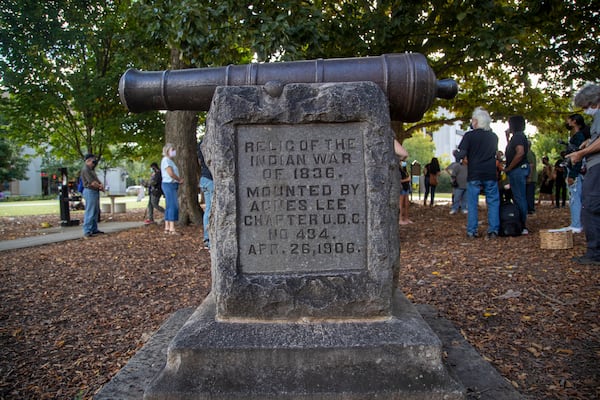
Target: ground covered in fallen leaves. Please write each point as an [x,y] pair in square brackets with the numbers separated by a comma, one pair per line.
[73,313]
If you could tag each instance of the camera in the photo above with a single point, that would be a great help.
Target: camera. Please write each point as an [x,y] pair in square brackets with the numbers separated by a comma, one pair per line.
[570,147]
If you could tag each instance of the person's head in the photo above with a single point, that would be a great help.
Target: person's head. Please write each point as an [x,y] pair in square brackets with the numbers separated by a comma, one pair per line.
[516,123]
[169,150]
[588,98]
[575,122]
[435,163]
[90,160]
[154,166]
[545,160]
[481,119]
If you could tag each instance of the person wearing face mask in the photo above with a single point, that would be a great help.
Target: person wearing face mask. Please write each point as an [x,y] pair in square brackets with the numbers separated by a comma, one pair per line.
[517,167]
[91,194]
[404,192]
[588,98]
[575,124]
[155,192]
[170,185]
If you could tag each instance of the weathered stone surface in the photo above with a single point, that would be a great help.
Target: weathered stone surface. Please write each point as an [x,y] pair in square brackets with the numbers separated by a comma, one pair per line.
[393,358]
[305,202]
[304,257]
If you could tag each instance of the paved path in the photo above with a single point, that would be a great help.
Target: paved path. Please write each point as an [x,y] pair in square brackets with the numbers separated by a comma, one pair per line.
[61,234]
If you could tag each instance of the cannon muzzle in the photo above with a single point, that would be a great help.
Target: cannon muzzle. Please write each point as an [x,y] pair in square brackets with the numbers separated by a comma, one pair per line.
[407,80]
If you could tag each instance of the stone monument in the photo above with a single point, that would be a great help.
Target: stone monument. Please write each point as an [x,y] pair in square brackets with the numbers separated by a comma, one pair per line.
[305,256]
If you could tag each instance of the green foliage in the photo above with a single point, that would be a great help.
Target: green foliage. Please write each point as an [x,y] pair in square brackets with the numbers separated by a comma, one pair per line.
[13,166]
[60,66]
[420,147]
[61,60]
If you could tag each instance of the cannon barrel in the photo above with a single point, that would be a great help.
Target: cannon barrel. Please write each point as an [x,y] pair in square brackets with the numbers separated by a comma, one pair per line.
[407,80]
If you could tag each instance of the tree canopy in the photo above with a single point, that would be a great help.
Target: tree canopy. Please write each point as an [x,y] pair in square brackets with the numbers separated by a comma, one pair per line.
[61,59]
[60,65]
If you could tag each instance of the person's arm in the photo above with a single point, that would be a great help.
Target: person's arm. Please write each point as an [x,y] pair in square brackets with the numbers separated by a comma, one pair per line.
[171,173]
[400,150]
[592,148]
[519,154]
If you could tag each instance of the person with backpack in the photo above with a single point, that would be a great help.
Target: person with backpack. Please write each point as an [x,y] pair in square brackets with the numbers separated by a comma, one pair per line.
[517,167]
[155,192]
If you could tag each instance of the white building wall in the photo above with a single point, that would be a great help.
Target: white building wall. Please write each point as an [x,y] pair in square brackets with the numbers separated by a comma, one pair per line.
[33,185]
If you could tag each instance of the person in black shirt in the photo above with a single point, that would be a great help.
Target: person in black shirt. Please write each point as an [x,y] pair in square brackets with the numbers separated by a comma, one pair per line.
[479,146]
[517,166]
[560,184]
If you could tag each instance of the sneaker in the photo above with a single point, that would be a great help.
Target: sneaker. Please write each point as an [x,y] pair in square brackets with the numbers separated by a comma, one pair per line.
[452,212]
[472,235]
[148,221]
[492,235]
[465,211]
[98,233]
[525,231]
[565,229]
[87,235]
[583,260]
[575,230]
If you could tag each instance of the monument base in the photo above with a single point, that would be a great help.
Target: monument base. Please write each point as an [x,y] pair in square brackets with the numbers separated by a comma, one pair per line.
[393,358]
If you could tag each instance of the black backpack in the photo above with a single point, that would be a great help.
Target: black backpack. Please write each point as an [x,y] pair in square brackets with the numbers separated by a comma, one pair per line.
[510,220]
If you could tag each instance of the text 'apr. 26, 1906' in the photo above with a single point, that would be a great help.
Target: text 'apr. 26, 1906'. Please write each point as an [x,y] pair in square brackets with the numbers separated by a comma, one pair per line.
[301,198]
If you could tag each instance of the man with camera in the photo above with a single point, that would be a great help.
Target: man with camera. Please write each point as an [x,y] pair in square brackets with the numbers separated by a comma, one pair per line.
[576,124]
[588,98]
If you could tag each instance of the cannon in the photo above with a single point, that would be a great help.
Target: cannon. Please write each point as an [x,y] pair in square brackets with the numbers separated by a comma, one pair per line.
[407,80]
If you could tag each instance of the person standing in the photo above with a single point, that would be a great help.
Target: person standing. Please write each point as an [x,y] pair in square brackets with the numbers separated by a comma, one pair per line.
[91,194]
[155,192]
[404,192]
[458,173]
[479,145]
[531,182]
[208,187]
[560,182]
[547,182]
[170,185]
[517,167]
[432,171]
[588,98]
[574,178]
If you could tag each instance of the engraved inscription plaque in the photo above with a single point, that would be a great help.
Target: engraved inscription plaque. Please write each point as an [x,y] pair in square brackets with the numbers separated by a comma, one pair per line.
[301,198]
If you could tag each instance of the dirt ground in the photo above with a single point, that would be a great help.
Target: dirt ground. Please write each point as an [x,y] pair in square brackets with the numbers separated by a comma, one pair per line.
[73,313]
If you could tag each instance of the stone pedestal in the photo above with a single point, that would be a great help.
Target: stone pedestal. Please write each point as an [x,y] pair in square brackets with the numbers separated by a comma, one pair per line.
[393,358]
[304,253]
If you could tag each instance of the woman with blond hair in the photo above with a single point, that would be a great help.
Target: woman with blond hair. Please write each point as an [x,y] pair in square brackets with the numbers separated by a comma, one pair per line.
[170,185]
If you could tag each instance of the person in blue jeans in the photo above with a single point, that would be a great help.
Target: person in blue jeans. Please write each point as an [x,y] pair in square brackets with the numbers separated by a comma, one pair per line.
[517,167]
[208,187]
[478,147]
[170,185]
[576,124]
[91,194]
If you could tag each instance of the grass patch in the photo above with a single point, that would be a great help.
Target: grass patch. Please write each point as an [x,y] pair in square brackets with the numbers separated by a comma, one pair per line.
[39,207]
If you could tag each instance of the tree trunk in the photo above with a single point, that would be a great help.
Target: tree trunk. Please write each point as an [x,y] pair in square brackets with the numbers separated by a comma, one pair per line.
[180,130]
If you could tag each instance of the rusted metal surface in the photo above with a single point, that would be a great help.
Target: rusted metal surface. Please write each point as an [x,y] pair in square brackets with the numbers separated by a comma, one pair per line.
[407,80]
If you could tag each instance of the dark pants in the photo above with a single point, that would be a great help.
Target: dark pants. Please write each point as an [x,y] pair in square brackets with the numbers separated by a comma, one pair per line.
[153,205]
[560,192]
[530,192]
[590,211]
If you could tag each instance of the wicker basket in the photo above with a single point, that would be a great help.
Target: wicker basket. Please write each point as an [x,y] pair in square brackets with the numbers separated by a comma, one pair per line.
[554,240]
